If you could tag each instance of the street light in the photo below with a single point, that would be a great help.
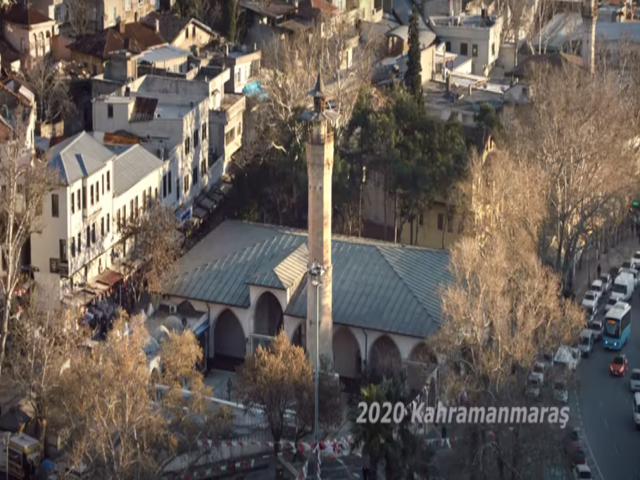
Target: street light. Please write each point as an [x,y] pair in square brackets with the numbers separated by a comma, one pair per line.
[316,272]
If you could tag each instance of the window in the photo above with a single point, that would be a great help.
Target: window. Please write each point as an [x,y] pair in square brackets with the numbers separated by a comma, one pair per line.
[131,211]
[108,181]
[447,46]
[73,203]
[84,197]
[127,5]
[229,136]
[421,219]
[103,183]
[493,49]
[187,144]
[474,50]
[63,250]
[204,131]
[88,236]
[137,207]
[240,128]
[79,243]
[164,186]
[193,31]
[186,32]
[102,227]
[196,138]
[73,247]
[149,197]
[124,215]
[58,14]
[109,111]
[144,200]
[203,167]
[118,220]
[97,192]
[92,197]
[169,182]
[440,221]
[108,222]
[464,49]
[79,200]
[177,189]
[55,205]
[186,184]
[93,233]
[195,175]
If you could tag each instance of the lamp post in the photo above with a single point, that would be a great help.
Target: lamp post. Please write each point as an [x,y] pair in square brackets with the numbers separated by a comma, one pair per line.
[315,272]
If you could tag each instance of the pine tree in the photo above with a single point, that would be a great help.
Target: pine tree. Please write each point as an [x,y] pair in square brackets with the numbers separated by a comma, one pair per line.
[413,76]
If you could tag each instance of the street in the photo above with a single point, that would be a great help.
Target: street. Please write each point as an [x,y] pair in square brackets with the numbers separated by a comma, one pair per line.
[606,409]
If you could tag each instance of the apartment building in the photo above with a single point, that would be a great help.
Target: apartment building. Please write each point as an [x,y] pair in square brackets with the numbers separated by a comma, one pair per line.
[244,63]
[474,36]
[98,188]
[192,124]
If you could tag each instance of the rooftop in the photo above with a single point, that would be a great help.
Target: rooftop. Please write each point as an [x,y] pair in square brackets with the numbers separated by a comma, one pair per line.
[78,156]
[137,37]
[131,166]
[21,14]
[459,98]
[171,25]
[463,21]
[273,9]
[229,100]
[162,54]
[376,285]
[427,35]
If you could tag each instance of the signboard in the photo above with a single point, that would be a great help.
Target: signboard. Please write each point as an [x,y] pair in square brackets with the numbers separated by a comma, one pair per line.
[59,267]
[186,215]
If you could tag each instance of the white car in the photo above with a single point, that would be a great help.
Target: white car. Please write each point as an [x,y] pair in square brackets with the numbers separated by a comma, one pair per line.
[596,286]
[635,259]
[582,472]
[634,382]
[607,282]
[597,327]
[560,392]
[590,299]
[610,303]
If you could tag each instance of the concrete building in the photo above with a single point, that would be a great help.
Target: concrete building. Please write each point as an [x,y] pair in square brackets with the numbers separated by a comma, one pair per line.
[28,30]
[193,125]
[80,240]
[473,36]
[183,33]
[377,301]
[244,63]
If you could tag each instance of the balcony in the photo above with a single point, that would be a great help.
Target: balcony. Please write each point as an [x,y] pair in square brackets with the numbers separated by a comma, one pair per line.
[232,105]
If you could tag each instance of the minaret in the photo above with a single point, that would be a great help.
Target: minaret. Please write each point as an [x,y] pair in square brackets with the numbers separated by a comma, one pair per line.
[588,47]
[319,171]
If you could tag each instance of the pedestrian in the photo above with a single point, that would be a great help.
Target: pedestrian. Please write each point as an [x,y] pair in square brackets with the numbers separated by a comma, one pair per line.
[599,270]
[444,431]
[229,386]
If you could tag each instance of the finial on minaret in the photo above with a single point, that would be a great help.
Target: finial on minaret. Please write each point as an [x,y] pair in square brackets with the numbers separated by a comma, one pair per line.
[319,113]
[319,97]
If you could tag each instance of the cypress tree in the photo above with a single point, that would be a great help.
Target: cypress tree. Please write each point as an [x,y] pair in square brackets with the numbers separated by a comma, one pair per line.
[413,76]
[232,20]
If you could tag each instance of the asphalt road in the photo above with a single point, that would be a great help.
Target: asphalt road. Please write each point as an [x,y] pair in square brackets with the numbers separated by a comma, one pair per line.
[606,409]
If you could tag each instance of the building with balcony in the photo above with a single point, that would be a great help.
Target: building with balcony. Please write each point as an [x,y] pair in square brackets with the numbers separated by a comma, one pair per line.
[192,125]
[28,31]
[79,240]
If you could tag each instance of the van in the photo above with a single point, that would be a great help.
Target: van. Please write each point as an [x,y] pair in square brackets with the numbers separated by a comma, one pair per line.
[634,273]
[636,409]
[586,343]
[623,287]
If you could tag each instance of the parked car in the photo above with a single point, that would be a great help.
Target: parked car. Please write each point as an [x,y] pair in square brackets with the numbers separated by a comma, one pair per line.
[560,392]
[607,282]
[597,328]
[577,456]
[586,342]
[634,382]
[598,287]
[635,260]
[590,299]
[610,303]
[582,472]
[534,385]
[618,366]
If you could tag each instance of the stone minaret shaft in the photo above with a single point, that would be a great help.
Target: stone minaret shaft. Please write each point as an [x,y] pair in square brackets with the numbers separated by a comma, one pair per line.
[320,168]
[588,47]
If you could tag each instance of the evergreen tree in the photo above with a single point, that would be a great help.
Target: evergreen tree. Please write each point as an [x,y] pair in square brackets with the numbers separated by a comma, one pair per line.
[413,76]
[232,20]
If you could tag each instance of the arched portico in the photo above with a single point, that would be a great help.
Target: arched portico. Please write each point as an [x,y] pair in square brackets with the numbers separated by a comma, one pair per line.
[384,356]
[229,344]
[420,365]
[268,317]
[347,359]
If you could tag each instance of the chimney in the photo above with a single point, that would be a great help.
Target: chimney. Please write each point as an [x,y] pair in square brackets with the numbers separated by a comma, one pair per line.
[121,26]
[156,25]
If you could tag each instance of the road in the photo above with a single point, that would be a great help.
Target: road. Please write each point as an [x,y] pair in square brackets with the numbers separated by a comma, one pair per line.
[606,409]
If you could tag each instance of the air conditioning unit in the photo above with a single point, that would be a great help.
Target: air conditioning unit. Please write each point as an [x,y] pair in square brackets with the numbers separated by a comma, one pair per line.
[173,309]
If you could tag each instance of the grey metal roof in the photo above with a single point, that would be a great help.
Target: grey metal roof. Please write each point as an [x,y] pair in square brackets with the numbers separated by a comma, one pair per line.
[78,156]
[376,285]
[163,54]
[132,166]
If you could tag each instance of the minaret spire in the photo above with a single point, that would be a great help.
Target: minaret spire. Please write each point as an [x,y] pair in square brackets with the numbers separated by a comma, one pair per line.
[320,172]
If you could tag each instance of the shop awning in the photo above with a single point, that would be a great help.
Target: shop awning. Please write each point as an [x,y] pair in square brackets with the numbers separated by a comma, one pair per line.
[109,278]
[200,329]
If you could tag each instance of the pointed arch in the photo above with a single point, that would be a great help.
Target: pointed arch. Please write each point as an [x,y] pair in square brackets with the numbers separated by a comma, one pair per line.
[229,344]
[268,317]
[347,358]
[384,356]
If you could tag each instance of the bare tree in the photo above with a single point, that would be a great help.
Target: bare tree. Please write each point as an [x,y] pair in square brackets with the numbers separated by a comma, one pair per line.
[157,247]
[587,174]
[502,311]
[25,183]
[79,16]
[51,89]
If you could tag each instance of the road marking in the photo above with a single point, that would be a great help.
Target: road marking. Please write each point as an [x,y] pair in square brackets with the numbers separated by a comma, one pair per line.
[606,425]
[616,449]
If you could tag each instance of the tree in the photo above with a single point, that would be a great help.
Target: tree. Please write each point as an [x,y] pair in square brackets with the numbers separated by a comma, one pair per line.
[232,20]
[588,178]
[279,380]
[488,125]
[413,75]
[25,184]
[206,11]
[51,89]
[156,249]
[502,311]
[79,16]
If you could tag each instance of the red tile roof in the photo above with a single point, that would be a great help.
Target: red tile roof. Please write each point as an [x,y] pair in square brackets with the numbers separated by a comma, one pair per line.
[136,37]
[20,14]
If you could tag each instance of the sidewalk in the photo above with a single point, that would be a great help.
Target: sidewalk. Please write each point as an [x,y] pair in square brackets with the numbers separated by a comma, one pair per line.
[612,259]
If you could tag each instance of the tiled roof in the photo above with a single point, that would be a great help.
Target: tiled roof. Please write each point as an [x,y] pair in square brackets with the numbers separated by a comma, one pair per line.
[20,14]
[131,166]
[170,24]
[78,156]
[137,38]
[376,285]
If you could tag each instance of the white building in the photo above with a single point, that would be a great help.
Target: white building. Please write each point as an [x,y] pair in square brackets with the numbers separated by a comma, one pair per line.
[191,124]
[79,238]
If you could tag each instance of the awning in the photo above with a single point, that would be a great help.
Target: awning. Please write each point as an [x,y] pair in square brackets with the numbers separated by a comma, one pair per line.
[200,329]
[109,278]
